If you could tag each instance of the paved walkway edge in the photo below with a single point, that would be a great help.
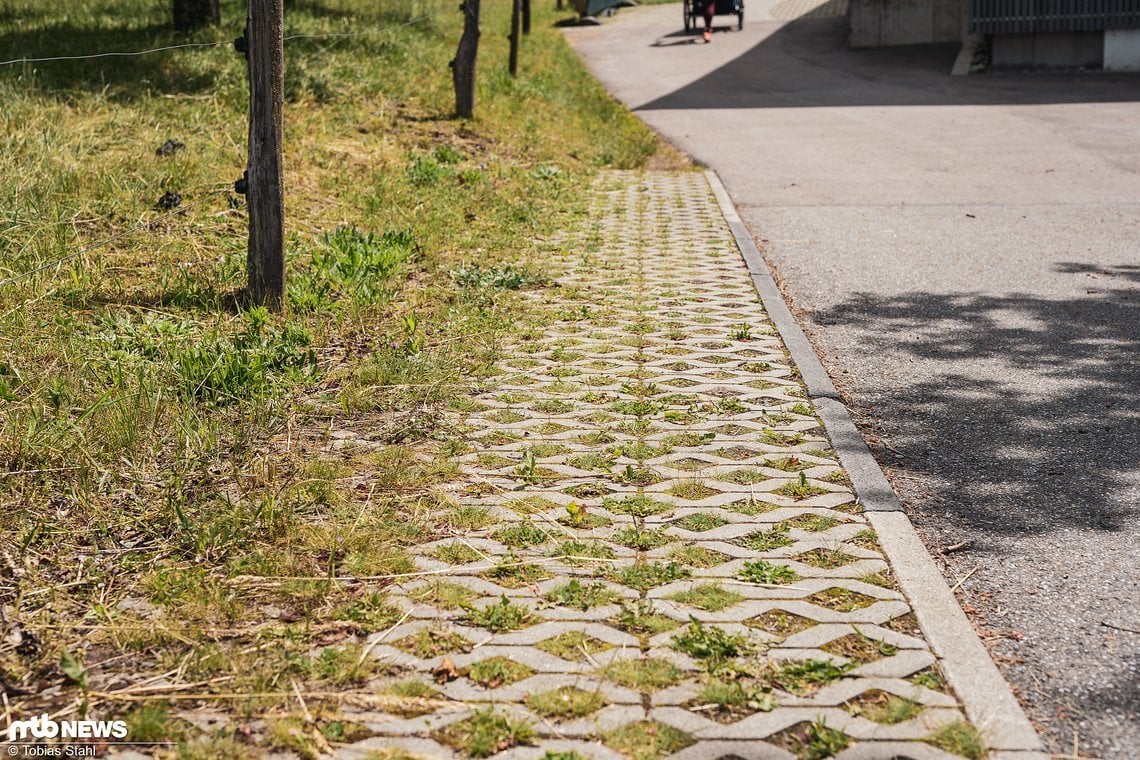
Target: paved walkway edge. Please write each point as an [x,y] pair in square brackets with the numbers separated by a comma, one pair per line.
[985,695]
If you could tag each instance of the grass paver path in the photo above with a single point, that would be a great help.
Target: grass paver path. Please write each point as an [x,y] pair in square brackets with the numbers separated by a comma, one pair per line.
[676,565]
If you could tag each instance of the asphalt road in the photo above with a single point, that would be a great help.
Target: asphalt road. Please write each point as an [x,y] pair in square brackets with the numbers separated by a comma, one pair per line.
[965,253]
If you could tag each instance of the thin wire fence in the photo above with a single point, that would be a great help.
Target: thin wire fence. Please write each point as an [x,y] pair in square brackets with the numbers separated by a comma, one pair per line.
[219,43]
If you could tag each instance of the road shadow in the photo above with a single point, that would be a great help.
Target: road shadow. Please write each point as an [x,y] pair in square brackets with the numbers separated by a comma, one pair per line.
[807,63]
[1058,448]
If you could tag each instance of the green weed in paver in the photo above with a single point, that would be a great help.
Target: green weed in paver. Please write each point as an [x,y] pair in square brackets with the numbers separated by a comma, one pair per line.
[575,646]
[520,535]
[648,674]
[371,611]
[711,644]
[648,740]
[565,702]
[767,573]
[512,572]
[485,733]
[642,540]
[636,506]
[801,489]
[502,617]
[471,518]
[531,505]
[699,522]
[568,755]
[592,462]
[960,739]
[775,438]
[734,698]
[577,516]
[881,707]
[641,477]
[803,677]
[642,618]
[710,597]
[575,594]
[497,671]
[765,540]
[929,678]
[811,741]
[645,576]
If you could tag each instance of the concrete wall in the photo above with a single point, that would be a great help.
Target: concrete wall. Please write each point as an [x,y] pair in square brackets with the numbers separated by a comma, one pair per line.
[1122,50]
[1060,50]
[883,23]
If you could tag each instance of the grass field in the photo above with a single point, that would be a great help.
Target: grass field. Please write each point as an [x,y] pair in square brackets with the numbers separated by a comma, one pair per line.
[172,512]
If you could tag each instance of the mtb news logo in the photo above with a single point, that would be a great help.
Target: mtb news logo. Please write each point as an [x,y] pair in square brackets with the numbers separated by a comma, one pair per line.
[43,727]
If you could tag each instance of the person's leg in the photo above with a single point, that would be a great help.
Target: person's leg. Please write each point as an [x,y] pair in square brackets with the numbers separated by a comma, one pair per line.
[710,11]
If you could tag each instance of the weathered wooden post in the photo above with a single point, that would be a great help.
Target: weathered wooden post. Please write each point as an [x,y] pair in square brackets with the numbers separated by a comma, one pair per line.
[516,10]
[463,67]
[264,45]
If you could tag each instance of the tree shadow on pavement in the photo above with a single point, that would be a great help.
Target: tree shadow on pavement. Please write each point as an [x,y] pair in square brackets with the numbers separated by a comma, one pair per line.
[1061,449]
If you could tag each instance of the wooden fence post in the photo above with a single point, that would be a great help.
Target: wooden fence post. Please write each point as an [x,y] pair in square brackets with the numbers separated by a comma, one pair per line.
[265,197]
[526,16]
[463,67]
[516,9]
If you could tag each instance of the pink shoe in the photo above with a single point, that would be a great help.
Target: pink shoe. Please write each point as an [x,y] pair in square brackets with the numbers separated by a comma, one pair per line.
[708,35]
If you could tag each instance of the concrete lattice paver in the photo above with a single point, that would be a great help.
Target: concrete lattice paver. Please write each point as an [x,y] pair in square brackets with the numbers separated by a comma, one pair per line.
[660,492]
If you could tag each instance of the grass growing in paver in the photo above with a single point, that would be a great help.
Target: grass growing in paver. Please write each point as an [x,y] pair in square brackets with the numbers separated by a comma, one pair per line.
[429,642]
[751,507]
[811,741]
[647,740]
[579,517]
[444,594]
[531,505]
[866,539]
[646,575]
[882,579]
[471,518]
[502,617]
[766,573]
[565,702]
[520,535]
[882,707]
[485,733]
[788,464]
[745,477]
[457,554]
[641,539]
[575,646]
[692,490]
[930,678]
[765,540]
[699,522]
[497,671]
[647,674]
[582,596]
[641,618]
[581,552]
[697,556]
[959,738]
[812,522]
[711,597]
[732,699]
[513,572]
[824,559]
